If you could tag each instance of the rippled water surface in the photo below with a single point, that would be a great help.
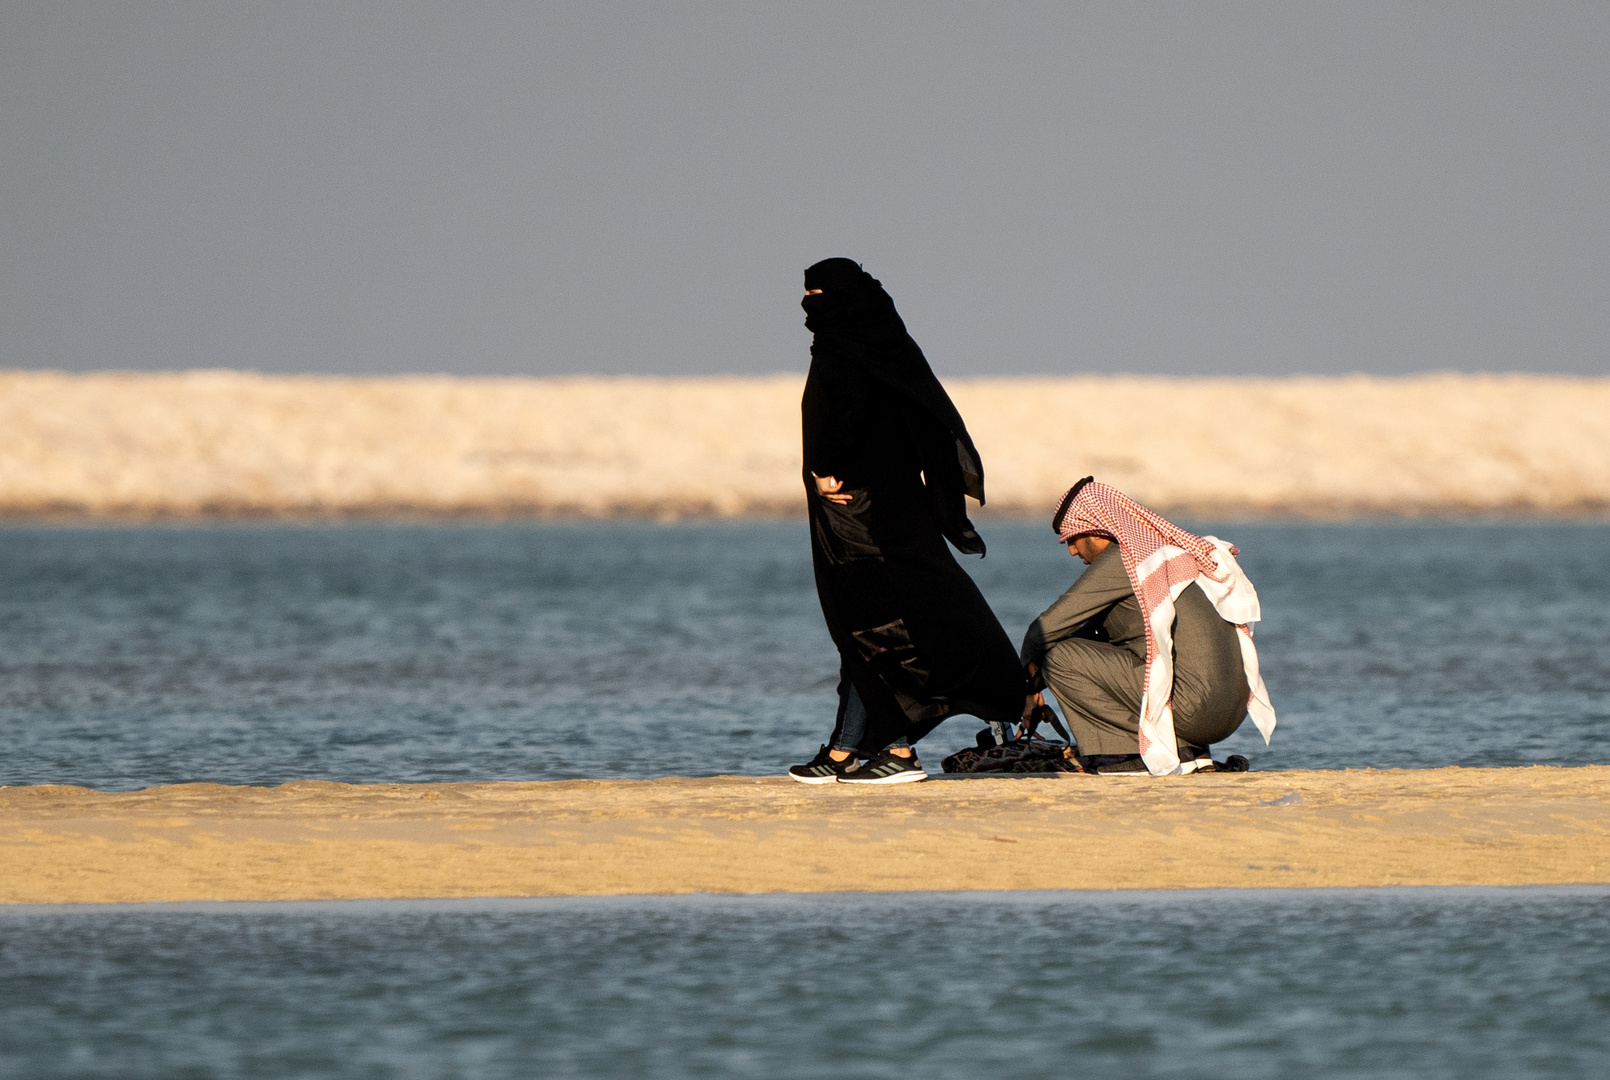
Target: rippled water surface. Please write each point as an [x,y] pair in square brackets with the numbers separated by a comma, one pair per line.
[1415,983]
[259,654]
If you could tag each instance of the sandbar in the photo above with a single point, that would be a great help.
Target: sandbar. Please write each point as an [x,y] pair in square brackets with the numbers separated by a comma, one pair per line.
[204,444]
[315,840]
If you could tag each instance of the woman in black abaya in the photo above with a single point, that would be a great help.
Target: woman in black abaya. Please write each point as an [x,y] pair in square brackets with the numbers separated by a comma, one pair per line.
[888,464]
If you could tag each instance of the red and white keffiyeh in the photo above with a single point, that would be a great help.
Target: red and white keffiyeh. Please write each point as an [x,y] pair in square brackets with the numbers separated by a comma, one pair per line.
[1162,559]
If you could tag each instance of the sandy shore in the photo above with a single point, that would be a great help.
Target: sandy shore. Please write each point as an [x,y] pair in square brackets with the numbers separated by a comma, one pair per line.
[319,840]
[195,444]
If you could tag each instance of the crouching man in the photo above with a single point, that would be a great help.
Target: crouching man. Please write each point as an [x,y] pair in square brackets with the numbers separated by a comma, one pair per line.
[1150,652]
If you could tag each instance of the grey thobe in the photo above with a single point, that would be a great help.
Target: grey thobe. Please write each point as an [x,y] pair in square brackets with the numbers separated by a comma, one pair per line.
[1090,649]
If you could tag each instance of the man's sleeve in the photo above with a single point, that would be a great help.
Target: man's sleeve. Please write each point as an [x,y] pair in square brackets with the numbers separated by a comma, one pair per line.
[1103,584]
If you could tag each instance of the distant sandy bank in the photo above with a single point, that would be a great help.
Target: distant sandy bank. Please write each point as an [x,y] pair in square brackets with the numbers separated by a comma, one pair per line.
[317,840]
[201,444]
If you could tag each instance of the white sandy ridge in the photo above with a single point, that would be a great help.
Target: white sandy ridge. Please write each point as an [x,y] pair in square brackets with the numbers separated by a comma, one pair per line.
[211,442]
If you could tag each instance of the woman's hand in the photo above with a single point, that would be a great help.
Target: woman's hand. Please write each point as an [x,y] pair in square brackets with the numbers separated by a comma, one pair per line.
[832,490]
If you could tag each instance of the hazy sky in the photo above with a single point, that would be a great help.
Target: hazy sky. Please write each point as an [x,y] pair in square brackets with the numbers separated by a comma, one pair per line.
[636,187]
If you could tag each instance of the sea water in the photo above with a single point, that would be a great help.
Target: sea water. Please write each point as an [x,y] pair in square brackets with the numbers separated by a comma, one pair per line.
[393,652]
[258,654]
[1419,984]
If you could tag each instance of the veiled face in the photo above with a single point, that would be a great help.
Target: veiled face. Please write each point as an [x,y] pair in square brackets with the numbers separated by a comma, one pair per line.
[813,292]
[835,274]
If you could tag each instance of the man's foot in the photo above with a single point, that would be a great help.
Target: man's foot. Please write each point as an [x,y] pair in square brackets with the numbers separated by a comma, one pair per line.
[1233,763]
[887,768]
[822,769]
[1115,765]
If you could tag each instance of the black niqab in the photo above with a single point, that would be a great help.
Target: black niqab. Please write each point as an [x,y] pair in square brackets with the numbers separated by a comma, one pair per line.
[855,322]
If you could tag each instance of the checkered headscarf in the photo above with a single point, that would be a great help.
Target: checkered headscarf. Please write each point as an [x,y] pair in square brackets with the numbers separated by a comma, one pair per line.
[1161,560]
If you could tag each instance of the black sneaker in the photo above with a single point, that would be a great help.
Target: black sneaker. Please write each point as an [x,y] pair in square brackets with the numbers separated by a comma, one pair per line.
[822,769]
[886,768]
[1115,765]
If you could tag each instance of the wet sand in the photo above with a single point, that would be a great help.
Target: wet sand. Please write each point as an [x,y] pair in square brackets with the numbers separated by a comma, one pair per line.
[318,840]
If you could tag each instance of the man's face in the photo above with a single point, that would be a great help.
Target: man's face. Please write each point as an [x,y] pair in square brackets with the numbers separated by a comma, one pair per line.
[1086,548]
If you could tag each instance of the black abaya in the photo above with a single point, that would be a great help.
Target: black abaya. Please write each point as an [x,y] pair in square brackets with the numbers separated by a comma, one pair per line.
[914,634]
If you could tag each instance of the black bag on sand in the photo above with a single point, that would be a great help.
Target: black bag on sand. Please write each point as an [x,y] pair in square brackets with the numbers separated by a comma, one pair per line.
[1027,753]
[1018,756]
